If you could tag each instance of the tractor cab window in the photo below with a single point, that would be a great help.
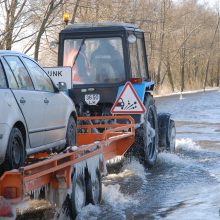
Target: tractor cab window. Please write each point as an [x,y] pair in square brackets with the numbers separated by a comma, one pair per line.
[137,58]
[95,60]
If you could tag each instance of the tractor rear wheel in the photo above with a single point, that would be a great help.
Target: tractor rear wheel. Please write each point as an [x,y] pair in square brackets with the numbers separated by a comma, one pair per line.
[146,140]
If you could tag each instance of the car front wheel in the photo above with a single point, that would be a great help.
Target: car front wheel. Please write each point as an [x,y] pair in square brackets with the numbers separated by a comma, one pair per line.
[15,154]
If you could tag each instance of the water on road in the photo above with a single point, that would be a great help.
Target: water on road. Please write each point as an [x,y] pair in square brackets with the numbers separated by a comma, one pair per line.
[184,185]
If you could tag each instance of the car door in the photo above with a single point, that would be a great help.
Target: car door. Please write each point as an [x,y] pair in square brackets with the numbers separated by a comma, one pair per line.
[55,103]
[30,101]
[56,117]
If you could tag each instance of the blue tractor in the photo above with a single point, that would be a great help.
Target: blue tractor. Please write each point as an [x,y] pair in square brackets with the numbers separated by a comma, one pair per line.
[103,57]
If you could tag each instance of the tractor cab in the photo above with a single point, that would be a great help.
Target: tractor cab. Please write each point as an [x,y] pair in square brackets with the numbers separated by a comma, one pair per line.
[102,57]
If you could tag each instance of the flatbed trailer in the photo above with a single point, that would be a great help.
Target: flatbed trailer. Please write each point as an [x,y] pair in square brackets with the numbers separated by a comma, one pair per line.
[57,175]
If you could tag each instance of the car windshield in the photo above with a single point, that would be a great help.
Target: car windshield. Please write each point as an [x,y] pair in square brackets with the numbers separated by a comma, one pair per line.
[95,60]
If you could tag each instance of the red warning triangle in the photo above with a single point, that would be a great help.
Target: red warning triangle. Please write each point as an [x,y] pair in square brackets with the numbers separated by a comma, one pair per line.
[128,102]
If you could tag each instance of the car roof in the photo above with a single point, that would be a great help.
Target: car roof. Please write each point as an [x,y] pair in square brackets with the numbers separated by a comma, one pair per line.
[101,26]
[13,52]
[10,52]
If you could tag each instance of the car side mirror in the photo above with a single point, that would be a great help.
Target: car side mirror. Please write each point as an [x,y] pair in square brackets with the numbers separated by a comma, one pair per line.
[62,86]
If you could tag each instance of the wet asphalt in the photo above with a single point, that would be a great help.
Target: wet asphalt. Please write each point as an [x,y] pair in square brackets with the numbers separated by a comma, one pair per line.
[184,185]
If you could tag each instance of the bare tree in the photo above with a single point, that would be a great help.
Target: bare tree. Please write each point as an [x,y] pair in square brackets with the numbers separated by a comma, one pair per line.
[75,11]
[163,13]
[13,13]
[180,52]
[51,9]
[210,54]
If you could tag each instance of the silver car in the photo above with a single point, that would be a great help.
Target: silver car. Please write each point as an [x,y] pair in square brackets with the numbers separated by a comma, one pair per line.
[34,115]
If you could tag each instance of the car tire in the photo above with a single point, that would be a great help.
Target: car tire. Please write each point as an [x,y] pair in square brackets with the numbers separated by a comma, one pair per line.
[71,132]
[15,154]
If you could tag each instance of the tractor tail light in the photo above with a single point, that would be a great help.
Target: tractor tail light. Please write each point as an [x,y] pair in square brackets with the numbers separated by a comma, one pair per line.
[136,80]
[10,192]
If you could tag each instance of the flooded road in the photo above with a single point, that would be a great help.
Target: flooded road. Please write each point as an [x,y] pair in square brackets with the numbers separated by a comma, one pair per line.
[184,185]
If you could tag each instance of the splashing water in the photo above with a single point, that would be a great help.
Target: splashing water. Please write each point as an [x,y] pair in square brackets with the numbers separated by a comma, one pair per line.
[186,144]
[112,193]
[130,168]
[89,212]
[113,196]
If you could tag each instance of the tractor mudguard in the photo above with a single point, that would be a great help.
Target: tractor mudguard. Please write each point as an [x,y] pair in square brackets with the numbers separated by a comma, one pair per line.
[163,127]
[140,89]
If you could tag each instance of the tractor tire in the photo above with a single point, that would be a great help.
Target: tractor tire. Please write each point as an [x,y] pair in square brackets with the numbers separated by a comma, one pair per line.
[171,137]
[146,139]
[15,153]
[94,188]
[78,195]
[71,132]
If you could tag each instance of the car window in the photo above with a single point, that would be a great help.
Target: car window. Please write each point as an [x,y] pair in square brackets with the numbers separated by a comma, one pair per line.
[10,76]
[41,79]
[3,83]
[22,77]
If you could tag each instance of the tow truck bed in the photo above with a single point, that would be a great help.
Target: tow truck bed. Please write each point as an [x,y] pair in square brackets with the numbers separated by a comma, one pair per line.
[17,185]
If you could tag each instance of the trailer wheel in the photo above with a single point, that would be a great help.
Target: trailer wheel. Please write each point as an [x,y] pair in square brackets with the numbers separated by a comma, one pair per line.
[15,154]
[146,140]
[171,137]
[71,132]
[94,188]
[78,196]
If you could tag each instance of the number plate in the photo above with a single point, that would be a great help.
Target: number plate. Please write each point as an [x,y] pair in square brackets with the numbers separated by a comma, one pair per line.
[92,99]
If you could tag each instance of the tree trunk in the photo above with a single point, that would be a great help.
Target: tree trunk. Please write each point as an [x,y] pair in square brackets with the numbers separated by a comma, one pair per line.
[218,74]
[75,11]
[170,77]
[206,75]
[50,9]
[211,48]
[182,81]
[10,23]
[196,68]
[163,12]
